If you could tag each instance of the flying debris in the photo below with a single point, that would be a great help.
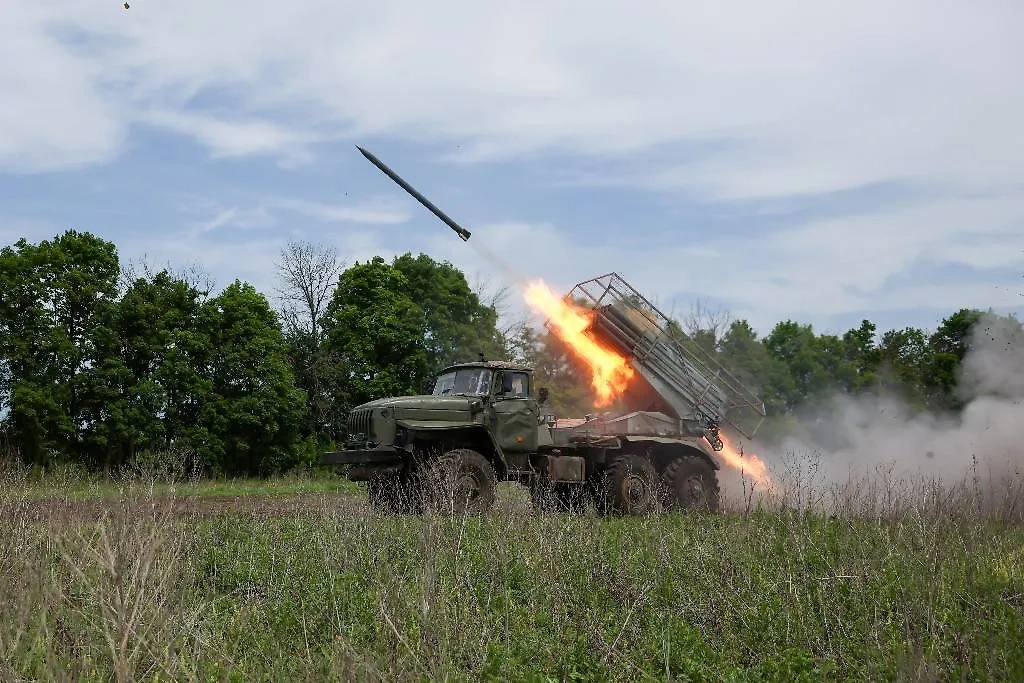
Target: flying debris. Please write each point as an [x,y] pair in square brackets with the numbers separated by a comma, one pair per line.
[459,230]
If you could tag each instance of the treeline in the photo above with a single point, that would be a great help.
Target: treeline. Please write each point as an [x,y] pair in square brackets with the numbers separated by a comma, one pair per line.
[104,366]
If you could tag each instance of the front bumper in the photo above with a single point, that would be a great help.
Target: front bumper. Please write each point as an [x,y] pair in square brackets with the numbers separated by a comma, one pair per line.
[386,455]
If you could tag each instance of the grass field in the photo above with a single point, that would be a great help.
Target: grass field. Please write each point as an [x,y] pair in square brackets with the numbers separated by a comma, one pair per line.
[296,579]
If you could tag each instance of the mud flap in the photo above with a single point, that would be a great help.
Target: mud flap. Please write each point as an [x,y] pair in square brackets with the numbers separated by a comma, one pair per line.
[566,468]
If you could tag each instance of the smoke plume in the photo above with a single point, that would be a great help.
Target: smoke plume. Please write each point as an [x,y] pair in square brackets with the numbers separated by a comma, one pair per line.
[857,438]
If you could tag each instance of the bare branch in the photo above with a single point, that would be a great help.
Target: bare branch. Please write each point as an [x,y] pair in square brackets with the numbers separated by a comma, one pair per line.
[194,275]
[702,320]
[497,297]
[308,274]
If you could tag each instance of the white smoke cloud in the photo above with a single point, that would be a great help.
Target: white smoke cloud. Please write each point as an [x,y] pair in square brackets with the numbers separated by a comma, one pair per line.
[868,438]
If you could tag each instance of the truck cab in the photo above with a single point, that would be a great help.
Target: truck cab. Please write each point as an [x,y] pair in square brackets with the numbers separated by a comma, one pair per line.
[487,408]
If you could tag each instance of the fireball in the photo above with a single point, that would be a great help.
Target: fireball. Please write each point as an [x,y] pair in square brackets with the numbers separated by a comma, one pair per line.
[610,372]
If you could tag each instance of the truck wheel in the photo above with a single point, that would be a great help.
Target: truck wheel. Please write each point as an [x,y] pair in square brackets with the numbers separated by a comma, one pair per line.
[460,481]
[690,484]
[630,487]
[392,493]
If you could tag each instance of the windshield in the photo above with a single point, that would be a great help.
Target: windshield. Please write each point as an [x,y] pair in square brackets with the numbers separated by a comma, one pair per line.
[472,381]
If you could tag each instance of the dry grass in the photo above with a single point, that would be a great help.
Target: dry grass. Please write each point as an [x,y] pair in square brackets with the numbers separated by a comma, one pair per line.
[883,581]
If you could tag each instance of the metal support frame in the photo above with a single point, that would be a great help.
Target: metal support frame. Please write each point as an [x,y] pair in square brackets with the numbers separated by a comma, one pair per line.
[693,382]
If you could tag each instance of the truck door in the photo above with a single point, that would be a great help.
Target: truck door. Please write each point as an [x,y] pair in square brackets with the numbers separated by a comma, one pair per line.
[515,413]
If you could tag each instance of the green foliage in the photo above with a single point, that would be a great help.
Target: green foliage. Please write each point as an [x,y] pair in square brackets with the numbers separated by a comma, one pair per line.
[948,346]
[376,330]
[149,383]
[52,297]
[92,376]
[250,421]
[456,326]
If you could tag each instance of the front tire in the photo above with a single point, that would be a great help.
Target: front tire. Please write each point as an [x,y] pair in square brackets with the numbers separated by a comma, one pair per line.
[459,482]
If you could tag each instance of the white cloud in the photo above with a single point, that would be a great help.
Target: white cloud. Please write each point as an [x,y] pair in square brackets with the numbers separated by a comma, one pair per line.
[815,271]
[235,217]
[227,139]
[815,97]
[379,211]
[772,100]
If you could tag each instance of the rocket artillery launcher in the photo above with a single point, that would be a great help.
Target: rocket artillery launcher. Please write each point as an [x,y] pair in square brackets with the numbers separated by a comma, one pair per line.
[678,377]
[484,422]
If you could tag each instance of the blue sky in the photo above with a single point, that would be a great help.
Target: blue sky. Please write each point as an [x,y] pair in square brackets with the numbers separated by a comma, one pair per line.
[823,162]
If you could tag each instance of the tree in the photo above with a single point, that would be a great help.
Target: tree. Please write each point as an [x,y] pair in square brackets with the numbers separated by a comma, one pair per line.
[751,362]
[376,330]
[51,295]
[861,356]
[903,361]
[250,422]
[948,346]
[308,274]
[148,384]
[799,350]
[496,298]
[706,326]
[456,325]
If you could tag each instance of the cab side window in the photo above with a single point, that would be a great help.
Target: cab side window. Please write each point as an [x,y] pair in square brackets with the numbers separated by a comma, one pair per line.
[520,385]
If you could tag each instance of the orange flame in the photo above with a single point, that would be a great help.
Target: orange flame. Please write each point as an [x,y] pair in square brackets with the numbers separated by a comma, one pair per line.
[610,372]
[748,463]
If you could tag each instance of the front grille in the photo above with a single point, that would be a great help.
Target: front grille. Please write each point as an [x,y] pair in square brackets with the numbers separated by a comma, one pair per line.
[360,425]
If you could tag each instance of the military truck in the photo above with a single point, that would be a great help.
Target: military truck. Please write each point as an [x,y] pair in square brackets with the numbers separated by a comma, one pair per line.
[485,422]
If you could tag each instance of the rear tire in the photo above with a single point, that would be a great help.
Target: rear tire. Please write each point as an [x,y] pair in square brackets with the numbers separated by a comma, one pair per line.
[459,482]
[630,487]
[690,484]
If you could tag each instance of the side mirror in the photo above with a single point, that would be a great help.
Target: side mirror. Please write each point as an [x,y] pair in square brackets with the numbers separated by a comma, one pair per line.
[506,383]
[542,394]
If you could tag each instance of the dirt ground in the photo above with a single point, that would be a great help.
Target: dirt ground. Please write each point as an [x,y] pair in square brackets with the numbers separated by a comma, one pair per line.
[296,505]
[143,506]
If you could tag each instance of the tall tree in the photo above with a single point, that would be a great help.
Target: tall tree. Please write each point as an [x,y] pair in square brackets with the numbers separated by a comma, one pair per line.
[904,358]
[456,325]
[150,381]
[799,350]
[861,356]
[948,345]
[308,274]
[51,295]
[251,420]
[375,328]
[750,360]
[705,325]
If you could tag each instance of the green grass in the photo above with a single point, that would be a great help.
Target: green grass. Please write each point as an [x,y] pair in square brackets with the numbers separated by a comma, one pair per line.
[336,593]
